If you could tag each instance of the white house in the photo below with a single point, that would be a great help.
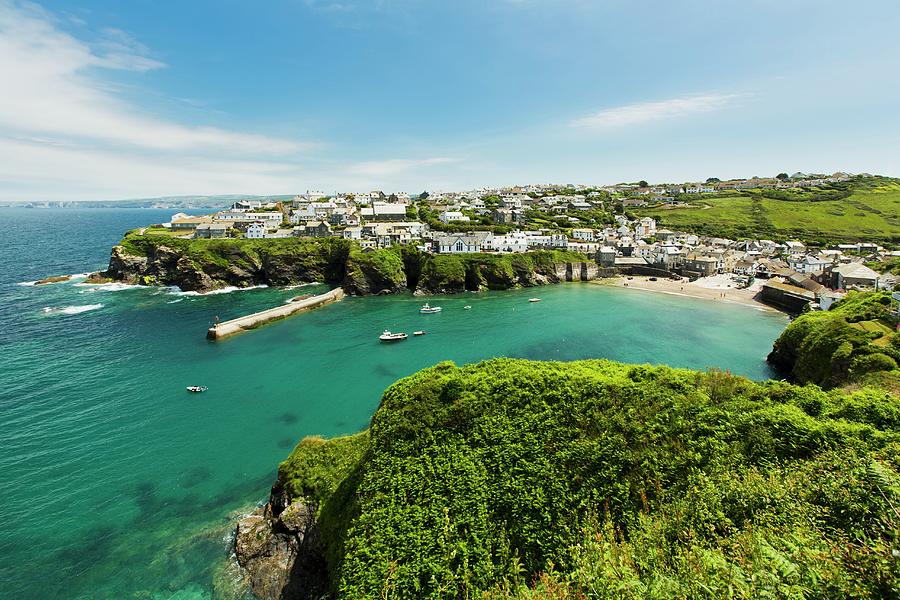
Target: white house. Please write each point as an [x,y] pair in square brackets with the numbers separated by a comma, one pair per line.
[512,242]
[452,216]
[584,235]
[256,230]
[461,243]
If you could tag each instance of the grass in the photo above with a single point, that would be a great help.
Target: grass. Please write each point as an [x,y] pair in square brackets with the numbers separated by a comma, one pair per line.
[868,211]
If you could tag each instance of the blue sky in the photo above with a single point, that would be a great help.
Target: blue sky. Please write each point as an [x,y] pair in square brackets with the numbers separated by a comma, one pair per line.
[107,99]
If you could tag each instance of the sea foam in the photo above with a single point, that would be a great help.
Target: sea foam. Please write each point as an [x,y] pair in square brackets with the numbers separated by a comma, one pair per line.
[70,310]
[224,290]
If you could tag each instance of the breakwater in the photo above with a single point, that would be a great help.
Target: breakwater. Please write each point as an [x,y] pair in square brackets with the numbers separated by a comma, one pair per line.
[251,321]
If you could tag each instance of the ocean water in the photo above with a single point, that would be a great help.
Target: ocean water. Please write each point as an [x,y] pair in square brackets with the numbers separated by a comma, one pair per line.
[117,483]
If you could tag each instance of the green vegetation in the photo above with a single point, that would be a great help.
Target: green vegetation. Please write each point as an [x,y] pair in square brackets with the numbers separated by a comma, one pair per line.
[593,479]
[865,209]
[845,344]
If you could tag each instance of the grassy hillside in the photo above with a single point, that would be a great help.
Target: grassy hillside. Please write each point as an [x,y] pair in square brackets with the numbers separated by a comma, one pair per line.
[593,479]
[866,209]
[853,342]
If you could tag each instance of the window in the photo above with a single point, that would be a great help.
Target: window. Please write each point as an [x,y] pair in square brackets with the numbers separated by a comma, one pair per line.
[459,246]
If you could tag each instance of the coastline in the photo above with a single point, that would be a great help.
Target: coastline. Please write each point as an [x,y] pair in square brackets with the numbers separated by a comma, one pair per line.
[707,288]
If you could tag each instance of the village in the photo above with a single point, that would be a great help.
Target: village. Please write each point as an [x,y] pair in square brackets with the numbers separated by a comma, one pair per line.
[595,221]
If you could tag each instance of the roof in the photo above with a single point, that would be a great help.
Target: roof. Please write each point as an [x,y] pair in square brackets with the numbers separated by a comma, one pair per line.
[856,271]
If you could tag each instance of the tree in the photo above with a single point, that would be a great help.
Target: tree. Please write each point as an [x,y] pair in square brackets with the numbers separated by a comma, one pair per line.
[713,180]
[643,183]
[782,176]
[423,196]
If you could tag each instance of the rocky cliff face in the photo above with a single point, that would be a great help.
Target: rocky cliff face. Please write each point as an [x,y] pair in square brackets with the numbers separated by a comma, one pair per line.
[213,264]
[278,548]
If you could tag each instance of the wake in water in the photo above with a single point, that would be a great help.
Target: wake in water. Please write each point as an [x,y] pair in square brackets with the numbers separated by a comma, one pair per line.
[70,310]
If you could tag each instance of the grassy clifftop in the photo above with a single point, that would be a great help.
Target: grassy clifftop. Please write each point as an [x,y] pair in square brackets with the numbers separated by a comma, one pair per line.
[854,342]
[519,479]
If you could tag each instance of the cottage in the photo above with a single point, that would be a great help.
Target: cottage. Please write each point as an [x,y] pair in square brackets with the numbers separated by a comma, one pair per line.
[460,243]
[211,230]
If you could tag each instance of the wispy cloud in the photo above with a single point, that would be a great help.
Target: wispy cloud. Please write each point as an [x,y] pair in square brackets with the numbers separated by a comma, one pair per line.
[396,166]
[56,95]
[648,112]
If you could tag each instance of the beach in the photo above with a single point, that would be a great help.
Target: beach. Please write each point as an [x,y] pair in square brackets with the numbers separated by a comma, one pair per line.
[721,288]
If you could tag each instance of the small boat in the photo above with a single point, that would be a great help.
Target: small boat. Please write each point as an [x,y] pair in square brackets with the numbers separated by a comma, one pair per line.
[387,336]
[430,309]
[466,307]
[534,299]
[196,388]
[418,333]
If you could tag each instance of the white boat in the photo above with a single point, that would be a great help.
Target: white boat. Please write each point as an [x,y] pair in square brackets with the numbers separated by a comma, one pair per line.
[418,333]
[387,336]
[196,388]
[429,309]
[466,307]
[534,299]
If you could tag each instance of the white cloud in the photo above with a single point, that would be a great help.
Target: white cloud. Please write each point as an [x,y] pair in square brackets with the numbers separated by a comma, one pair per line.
[647,112]
[396,166]
[54,96]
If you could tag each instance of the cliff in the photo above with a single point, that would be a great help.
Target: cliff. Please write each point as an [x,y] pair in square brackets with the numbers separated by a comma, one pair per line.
[520,479]
[851,343]
[204,265]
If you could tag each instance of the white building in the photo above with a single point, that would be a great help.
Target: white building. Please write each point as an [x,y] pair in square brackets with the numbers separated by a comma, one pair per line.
[584,235]
[256,230]
[452,216]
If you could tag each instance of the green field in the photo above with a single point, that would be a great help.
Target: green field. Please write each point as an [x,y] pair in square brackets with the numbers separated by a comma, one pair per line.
[865,209]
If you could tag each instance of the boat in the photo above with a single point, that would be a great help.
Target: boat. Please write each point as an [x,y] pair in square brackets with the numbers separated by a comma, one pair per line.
[466,307]
[418,333]
[196,388]
[387,336]
[430,309]
[534,299]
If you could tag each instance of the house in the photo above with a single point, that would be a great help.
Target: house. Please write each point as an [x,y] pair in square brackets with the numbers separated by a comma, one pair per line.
[646,227]
[702,266]
[853,275]
[189,223]
[256,230]
[460,243]
[512,242]
[317,229]
[606,256]
[382,211]
[795,248]
[809,263]
[353,233]
[211,230]
[584,235]
[452,216]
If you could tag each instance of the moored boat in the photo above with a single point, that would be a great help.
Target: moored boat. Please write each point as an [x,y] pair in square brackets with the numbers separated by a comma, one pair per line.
[466,307]
[429,309]
[387,336]
[534,299]
[196,388]
[418,333]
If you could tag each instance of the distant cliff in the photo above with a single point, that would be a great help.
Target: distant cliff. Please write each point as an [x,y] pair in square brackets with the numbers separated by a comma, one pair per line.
[205,265]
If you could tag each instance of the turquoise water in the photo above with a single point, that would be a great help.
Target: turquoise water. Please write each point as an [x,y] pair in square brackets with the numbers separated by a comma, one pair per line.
[116,483]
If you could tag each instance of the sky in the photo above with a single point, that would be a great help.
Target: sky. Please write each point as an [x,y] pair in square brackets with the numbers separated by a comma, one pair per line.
[103,99]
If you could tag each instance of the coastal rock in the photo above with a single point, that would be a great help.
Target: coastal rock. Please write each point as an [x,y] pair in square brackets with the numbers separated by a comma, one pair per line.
[278,550]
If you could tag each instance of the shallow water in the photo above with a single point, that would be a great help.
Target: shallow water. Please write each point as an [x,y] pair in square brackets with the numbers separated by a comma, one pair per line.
[117,483]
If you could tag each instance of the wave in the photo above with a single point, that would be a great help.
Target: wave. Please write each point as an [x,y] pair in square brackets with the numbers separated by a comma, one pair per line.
[224,290]
[70,310]
[300,285]
[26,283]
[109,287]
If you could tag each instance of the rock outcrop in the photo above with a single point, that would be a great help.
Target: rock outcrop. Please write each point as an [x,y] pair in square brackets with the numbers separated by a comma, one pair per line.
[279,550]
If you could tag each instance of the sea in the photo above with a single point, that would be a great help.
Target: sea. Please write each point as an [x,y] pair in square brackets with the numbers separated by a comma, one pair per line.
[115,482]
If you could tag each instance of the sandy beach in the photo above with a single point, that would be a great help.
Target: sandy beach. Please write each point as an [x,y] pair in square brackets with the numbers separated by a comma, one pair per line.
[721,288]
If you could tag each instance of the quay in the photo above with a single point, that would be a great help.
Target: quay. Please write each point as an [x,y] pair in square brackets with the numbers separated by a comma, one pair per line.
[233,326]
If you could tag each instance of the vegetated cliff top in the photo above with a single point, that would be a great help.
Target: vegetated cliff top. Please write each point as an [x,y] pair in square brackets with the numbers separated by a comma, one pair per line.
[520,479]
[853,343]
